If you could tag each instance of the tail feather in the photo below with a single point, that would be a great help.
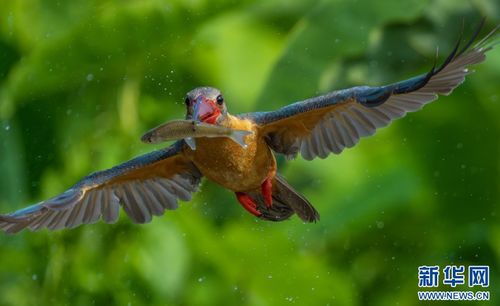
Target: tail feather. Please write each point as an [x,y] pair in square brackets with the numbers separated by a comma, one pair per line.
[279,211]
[302,207]
[286,202]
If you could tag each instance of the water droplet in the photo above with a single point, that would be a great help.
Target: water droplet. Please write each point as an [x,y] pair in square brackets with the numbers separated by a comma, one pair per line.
[34,277]
[90,77]
[7,127]
[201,279]
[269,276]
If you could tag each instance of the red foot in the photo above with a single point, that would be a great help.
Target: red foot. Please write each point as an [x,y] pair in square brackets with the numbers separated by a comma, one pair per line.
[267,191]
[247,202]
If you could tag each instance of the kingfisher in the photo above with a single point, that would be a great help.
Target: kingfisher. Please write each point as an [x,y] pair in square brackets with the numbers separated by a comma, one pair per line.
[149,184]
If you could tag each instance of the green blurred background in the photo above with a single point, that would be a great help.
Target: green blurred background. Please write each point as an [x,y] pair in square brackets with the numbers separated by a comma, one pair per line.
[80,81]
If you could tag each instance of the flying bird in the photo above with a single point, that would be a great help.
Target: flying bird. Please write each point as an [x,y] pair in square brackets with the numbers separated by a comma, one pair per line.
[148,185]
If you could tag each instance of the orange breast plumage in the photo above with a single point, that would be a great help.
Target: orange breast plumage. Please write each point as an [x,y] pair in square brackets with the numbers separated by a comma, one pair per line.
[228,164]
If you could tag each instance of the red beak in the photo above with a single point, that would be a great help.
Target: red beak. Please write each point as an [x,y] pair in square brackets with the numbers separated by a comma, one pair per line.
[205,110]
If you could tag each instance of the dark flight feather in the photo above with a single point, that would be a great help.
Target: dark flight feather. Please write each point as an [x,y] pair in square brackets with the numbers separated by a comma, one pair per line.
[332,122]
[145,186]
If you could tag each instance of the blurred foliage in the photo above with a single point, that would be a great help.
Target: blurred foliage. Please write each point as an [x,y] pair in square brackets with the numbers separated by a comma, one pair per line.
[81,80]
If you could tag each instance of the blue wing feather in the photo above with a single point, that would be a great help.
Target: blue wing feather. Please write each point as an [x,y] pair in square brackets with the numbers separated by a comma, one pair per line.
[366,95]
[337,120]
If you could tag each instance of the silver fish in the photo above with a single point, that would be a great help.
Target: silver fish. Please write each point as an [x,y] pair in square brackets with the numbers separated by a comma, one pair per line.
[189,130]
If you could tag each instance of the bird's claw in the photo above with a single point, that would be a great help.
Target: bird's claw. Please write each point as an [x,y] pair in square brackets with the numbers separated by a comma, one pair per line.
[248,203]
[267,192]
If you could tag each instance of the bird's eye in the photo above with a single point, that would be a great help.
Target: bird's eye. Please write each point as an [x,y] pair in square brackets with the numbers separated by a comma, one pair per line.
[220,100]
[187,101]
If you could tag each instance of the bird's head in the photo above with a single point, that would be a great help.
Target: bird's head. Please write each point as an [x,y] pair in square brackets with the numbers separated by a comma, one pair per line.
[205,104]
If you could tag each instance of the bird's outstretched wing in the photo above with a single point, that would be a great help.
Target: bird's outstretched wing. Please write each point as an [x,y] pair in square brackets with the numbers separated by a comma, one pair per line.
[337,120]
[144,186]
